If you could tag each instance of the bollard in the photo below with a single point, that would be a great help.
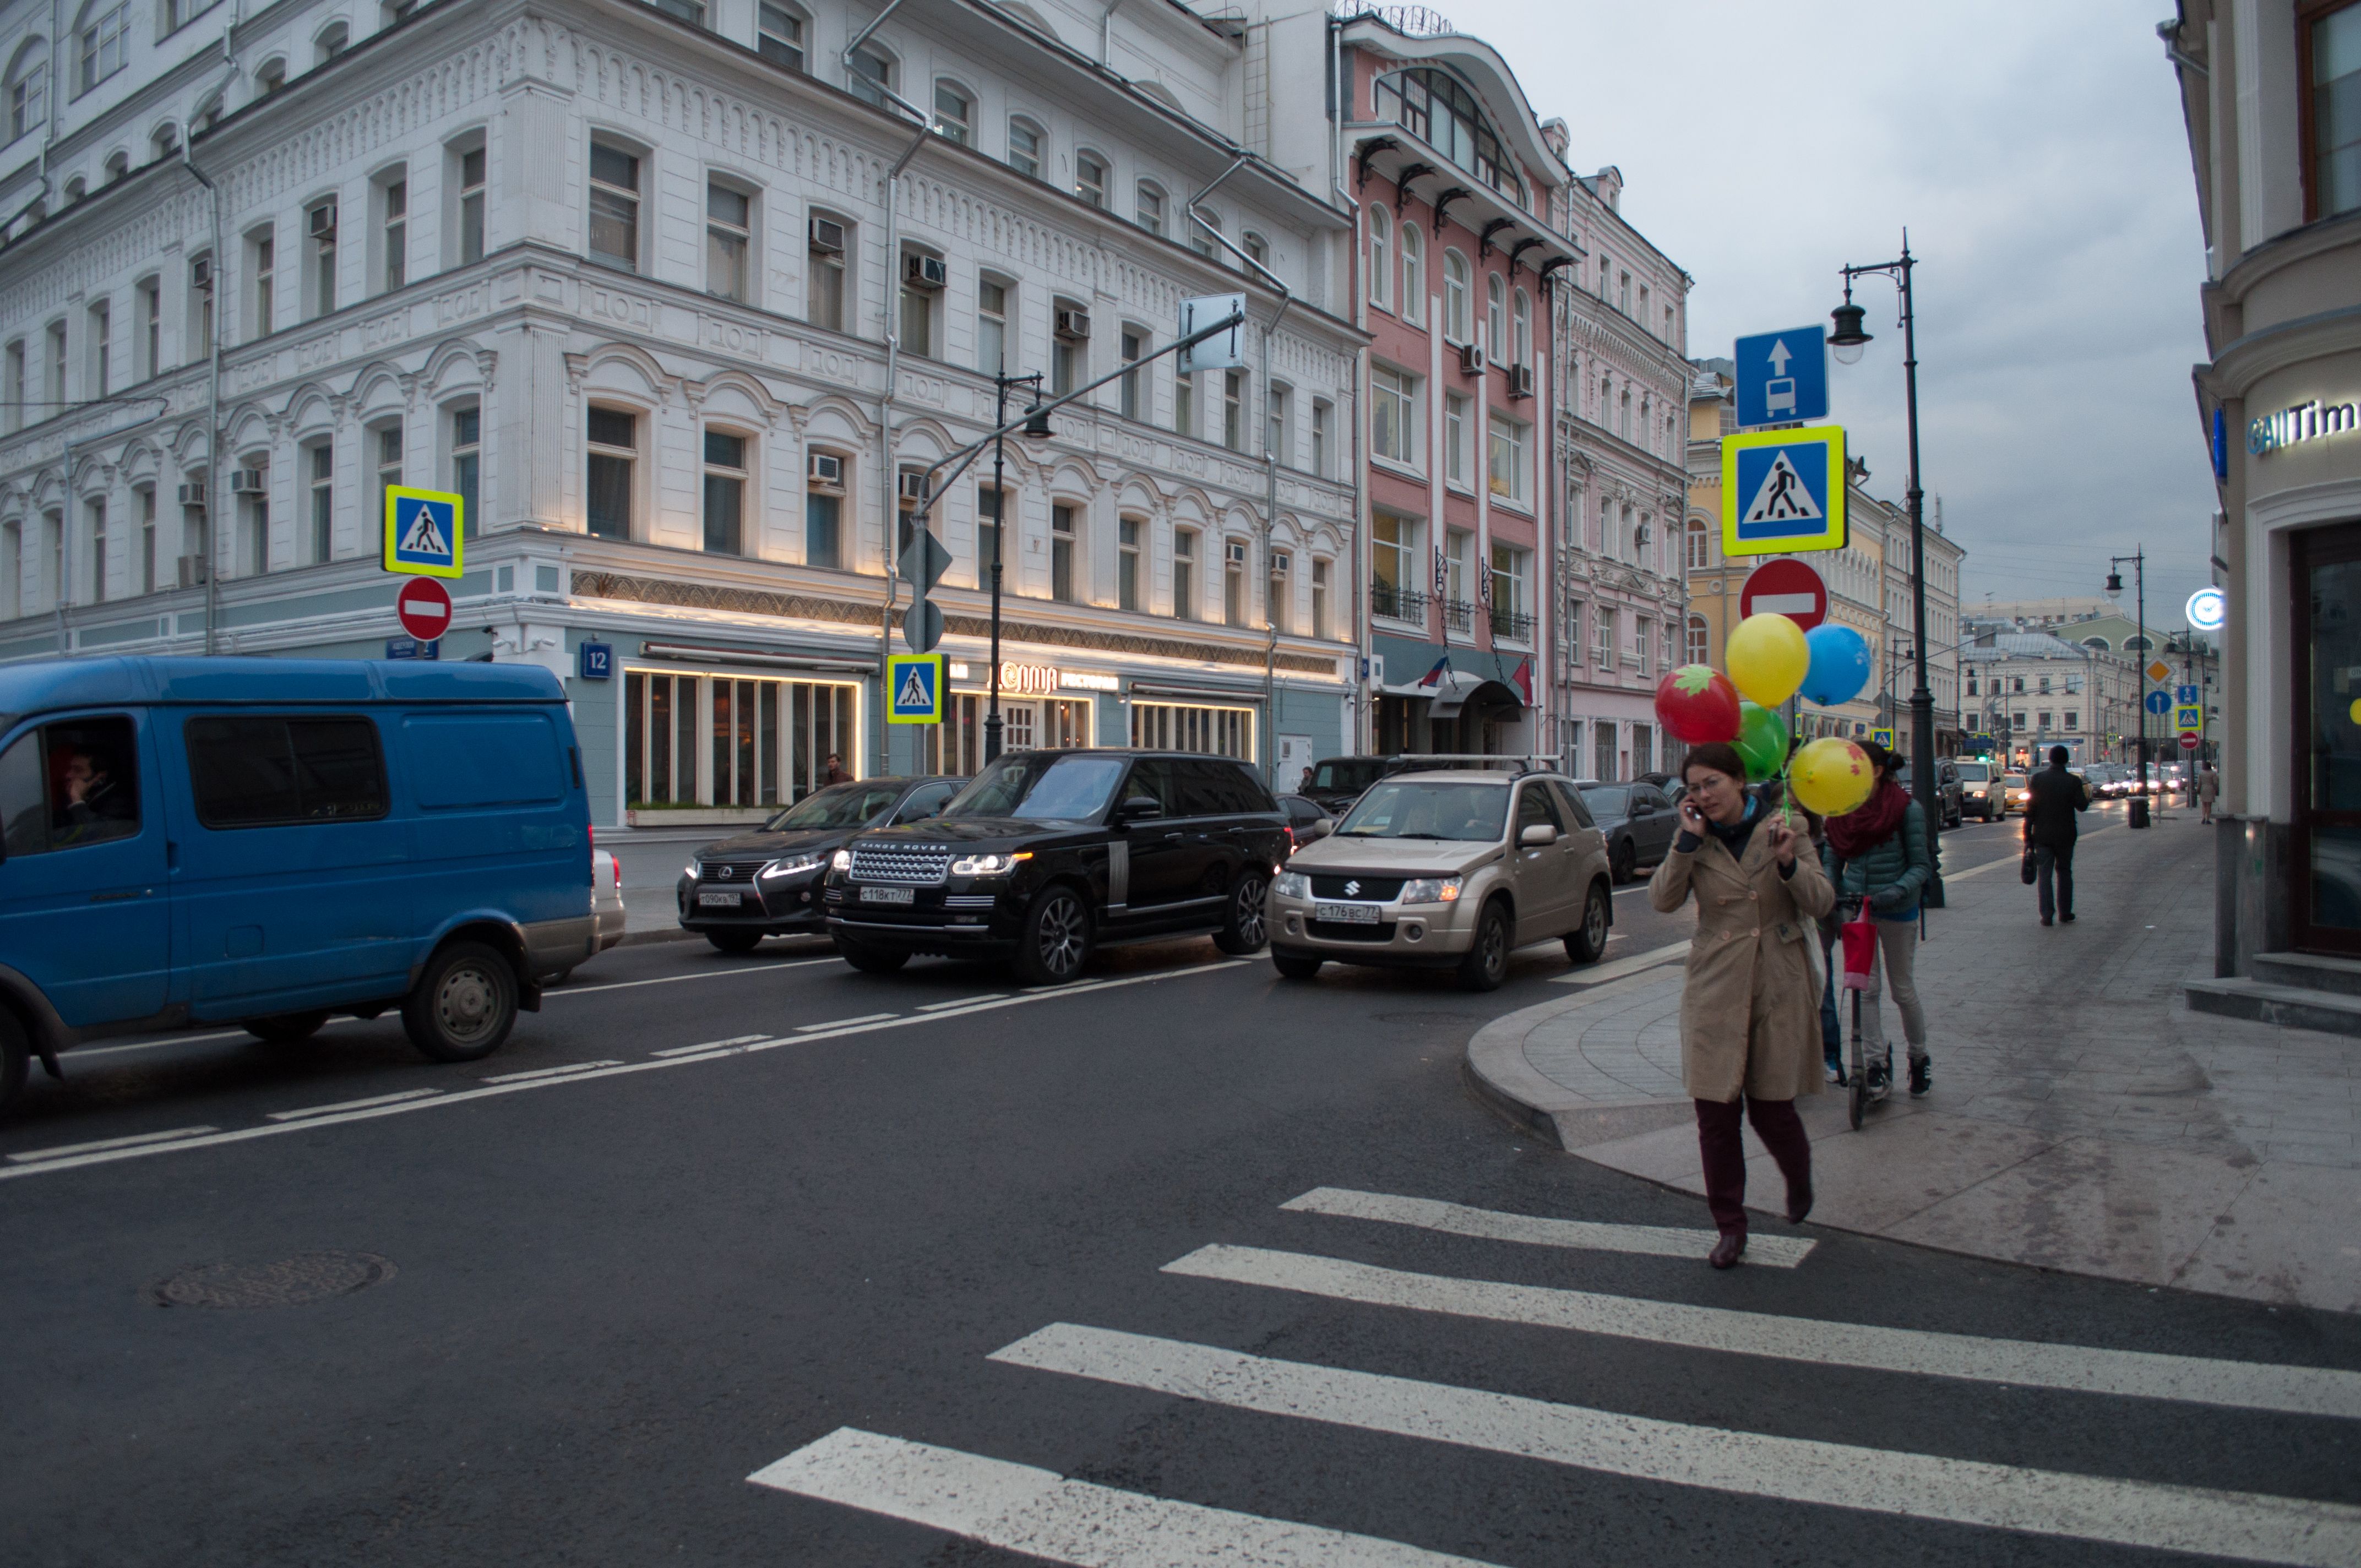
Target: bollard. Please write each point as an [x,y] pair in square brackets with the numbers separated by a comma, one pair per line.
[2138,813]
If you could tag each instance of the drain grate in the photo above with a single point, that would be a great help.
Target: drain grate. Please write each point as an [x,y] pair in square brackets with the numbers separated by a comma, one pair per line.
[294,1282]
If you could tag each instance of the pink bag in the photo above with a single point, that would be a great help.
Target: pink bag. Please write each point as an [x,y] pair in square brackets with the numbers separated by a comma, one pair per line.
[1860,949]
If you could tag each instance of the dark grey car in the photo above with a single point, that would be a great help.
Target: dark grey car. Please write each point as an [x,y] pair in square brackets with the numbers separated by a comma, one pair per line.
[766,883]
[1636,820]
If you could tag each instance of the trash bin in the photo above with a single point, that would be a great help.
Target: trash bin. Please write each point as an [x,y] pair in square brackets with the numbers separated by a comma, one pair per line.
[2138,813]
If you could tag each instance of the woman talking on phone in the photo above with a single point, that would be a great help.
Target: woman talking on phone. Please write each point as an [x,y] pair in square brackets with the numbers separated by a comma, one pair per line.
[1750,1008]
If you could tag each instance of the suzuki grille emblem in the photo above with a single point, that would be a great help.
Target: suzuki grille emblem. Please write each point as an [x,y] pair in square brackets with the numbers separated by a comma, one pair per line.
[1351,888]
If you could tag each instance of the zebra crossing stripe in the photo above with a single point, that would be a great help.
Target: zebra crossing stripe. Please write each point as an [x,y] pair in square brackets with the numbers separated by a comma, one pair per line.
[2024,1364]
[2245,1526]
[1021,1507]
[1490,1224]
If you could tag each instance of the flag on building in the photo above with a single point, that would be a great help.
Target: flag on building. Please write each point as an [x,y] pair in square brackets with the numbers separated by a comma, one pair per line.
[1434,676]
[1522,679]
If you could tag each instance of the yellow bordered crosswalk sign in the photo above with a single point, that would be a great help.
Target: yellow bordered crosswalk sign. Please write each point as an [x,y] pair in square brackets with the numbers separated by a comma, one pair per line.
[424,531]
[914,688]
[1783,491]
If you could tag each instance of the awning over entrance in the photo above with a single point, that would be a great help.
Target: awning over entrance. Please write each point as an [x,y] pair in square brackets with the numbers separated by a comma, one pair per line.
[1457,690]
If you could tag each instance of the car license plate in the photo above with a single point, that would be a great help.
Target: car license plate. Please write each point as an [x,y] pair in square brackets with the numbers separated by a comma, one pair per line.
[885,895]
[714,899]
[1348,913]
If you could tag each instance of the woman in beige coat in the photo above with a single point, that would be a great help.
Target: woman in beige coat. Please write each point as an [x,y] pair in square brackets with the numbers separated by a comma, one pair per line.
[1750,1013]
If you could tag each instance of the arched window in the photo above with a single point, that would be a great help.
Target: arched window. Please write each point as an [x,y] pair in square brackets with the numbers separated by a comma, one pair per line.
[1696,646]
[1456,303]
[101,38]
[1496,314]
[1520,345]
[1700,545]
[1026,145]
[28,89]
[1414,275]
[2101,643]
[330,43]
[954,112]
[1380,223]
[1434,106]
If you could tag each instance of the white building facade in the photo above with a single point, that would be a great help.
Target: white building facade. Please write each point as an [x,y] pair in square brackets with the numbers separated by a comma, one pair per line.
[687,302]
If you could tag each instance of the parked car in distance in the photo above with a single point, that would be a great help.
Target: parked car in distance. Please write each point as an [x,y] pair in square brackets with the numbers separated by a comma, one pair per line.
[1048,855]
[737,891]
[1637,821]
[268,841]
[1337,781]
[1980,790]
[607,914]
[1451,870]
[2015,789]
[1306,820]
[1950,791]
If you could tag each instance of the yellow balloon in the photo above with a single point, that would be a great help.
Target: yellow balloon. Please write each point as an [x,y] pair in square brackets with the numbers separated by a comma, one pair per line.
[1831,776]
[1768,658]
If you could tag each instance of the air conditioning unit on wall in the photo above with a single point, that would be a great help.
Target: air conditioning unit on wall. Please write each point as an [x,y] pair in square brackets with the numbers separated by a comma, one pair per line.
[827,234]
[824,471]
[922,272]
[245,481]
[323,220]
[1521,381]
[913,485]
[1073,326]
[194,494]
[1471,359]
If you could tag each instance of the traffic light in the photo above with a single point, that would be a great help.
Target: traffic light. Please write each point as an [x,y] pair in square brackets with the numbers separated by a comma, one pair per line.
[924,562]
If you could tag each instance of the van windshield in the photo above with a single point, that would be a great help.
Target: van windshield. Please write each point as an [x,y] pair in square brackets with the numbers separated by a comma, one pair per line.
[1405,808]
[1976,772]
[1038,784]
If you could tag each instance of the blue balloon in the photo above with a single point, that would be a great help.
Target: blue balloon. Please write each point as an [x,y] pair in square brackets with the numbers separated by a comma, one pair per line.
[1840,665]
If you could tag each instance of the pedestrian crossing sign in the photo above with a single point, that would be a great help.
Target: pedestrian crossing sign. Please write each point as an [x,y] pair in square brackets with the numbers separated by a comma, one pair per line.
[914,688]
[1783,491]
[2188,721]
[1883,737]
[424,531]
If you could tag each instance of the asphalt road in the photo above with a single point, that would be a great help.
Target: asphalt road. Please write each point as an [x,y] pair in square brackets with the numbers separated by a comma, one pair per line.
[959,1270]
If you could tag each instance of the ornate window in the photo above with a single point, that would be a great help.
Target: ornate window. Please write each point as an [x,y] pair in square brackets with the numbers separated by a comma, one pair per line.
[1437,107]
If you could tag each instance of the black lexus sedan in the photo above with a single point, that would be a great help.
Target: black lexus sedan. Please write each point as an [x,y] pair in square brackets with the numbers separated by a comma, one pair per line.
[1048,855]
[766,883]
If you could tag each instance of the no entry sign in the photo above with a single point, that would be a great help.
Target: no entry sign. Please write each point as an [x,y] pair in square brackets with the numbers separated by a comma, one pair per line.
[1785,587]
[424,606]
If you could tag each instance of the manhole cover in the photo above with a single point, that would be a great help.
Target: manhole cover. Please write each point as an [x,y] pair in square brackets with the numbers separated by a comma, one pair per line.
[1441,1019]
[313,1277]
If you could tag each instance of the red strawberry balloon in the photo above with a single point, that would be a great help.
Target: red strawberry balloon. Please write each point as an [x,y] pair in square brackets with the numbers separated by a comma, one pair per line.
[1698,706]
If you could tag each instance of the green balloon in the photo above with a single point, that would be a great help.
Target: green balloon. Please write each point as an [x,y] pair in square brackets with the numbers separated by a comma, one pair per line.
[1761,741]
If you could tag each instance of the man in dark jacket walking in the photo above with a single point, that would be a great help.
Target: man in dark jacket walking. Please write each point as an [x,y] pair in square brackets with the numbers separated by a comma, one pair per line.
[2056,797]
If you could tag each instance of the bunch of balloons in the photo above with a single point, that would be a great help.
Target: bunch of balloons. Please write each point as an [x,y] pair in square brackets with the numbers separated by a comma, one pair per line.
[1772,659]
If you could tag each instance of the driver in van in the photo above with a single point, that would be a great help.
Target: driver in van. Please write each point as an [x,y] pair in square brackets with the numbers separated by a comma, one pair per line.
[86,802]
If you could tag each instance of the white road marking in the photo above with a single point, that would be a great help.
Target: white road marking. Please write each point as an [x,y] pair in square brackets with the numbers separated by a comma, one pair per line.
[79,1055]
[352,1105]
[840,1023]
[2024,1363]
[711,1046]
[2246,1526]
[960,1002]
[1490,1224]
[561,994]
[1600,974]
[562,1071]
[109,1152]
[1024,1509]
[138,1143]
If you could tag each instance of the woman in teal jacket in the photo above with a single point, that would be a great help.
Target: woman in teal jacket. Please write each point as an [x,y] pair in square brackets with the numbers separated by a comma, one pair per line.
[1879,852]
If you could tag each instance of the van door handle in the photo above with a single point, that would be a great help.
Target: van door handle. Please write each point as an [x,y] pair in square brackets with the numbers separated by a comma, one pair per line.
[120,895]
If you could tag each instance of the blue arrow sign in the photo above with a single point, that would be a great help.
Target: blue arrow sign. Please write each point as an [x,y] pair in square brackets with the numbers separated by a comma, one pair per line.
[1782,377]
[2184,693]
[2160,701]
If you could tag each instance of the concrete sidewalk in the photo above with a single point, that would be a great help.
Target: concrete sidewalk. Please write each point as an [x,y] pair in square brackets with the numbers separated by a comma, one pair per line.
[2082,1118]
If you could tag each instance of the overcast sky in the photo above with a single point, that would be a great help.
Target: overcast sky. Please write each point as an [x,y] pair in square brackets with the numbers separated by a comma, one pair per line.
[2035,150]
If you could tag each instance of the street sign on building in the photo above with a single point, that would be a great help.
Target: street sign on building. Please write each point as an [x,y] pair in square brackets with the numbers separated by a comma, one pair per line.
[424,530]
[1785,587]
[1782,377]
[423,608]
[1783,491]
[915,682]
[595,661]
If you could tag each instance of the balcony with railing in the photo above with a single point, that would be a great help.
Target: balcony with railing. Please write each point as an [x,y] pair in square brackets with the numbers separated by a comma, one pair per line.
[1394,602]
[1458,615]
[1514,625]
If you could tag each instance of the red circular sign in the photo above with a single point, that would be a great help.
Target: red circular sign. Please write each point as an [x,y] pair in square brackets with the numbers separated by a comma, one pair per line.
[424,607]
[2188,742]
[1785,587]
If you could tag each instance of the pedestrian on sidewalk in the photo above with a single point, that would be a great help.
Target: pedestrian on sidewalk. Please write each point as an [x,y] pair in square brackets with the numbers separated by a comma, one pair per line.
[1879,852]
[2209,789]
[2056,798]
[1748,1029]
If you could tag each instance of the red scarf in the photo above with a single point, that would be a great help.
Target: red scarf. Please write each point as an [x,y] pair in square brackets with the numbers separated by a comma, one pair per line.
[1871,822]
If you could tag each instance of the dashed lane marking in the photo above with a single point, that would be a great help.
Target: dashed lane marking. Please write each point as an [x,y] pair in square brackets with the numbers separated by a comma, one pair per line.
[711,1045]
[563,1070]
[42,1162]
[840,1023]
[2025,1364]
[1037,1512]
[1534,1230]
[959,1002]
[561,994]
[352,1105]
[2245,1526]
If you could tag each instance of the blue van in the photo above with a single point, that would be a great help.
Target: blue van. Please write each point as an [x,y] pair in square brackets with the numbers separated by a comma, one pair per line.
[267,841]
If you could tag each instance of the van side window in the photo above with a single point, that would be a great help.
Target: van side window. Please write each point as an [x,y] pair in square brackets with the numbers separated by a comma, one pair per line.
[265,771]
[69,785]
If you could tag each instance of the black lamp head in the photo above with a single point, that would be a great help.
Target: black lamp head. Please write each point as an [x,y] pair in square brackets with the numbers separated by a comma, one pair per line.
[1036,424]
[1848,337]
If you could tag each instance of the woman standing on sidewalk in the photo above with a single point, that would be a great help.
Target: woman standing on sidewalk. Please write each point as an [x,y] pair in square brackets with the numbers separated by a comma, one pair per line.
[1749,1024]
[1878,851]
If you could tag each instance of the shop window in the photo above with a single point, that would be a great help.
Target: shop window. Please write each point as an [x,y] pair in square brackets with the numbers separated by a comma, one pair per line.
[709,740]
[1184,727]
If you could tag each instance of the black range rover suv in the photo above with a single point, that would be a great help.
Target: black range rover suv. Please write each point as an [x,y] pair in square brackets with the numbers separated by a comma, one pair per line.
[1047,855]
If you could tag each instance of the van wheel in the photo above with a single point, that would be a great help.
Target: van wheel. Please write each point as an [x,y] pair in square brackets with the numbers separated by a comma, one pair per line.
[1054,941]
[15,1057]
[1487,963]
[286,1028]
[1243,930]
[871,960]
[464,1006]
[739,942]
[1587,942]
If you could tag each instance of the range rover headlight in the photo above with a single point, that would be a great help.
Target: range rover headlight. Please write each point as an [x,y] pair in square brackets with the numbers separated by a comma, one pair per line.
[989,865]
[1433,890]
[1292,884]
[841,860]
[794,865]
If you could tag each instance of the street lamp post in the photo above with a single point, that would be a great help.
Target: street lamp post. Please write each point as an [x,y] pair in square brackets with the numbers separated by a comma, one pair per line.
[1848,340]
[1002,381]
[2116,590]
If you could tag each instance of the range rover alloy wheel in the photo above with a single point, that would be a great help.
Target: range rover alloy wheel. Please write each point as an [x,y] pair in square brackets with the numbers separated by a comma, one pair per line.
[1055,940]
[1243,927]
